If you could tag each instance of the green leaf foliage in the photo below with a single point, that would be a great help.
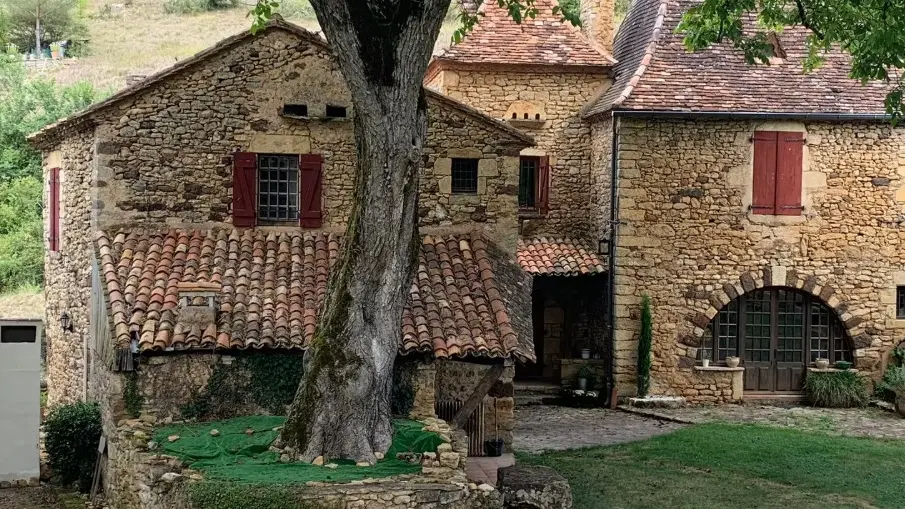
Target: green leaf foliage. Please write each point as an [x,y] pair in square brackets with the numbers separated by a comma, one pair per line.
[226,495]
[871,31]
[893,382]
[645,343]
[836,389]
[72,434]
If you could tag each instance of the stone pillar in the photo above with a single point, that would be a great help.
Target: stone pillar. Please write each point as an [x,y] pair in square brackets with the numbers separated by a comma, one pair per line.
[597,22]
[424,381]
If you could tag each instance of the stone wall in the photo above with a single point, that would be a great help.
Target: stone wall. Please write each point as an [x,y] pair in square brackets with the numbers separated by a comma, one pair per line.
[688,239]
[139,476]
[556,98]
[457,380]
[601,176]
[67,272]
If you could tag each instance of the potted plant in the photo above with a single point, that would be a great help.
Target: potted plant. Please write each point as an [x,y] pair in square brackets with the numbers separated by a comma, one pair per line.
[493,447]
[584,376]
[585,353]
[822,363]
[732,361]
[843,365]
[55,50]
[705,358]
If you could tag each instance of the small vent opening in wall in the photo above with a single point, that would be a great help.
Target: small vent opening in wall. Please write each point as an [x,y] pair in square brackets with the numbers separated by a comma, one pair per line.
[295,110]
[334,111]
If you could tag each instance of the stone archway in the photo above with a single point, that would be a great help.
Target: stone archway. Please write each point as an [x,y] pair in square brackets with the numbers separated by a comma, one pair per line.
[777,275]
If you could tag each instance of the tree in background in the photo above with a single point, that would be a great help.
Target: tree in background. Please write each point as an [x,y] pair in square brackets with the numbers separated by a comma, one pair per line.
[645,342]
[871,31]
[26,105]
[28,21]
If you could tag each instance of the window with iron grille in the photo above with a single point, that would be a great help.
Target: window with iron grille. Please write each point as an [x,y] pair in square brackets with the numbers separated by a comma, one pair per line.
[527,182]
[278,187]
[464,176]
[900,302]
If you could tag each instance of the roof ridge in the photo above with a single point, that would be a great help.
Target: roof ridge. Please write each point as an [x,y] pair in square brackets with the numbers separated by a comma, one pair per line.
[657,33]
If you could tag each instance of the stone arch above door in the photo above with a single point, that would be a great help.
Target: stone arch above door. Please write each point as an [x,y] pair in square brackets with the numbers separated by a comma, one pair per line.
[777,276]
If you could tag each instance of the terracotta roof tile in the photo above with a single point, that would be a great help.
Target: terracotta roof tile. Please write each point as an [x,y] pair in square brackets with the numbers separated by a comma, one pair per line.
[544,40]
[557,257]
[270,285]
[656,72]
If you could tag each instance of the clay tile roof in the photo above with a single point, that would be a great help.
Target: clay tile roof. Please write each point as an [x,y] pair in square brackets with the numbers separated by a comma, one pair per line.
[557,257]
[656,72]
[544,40]
[464,301]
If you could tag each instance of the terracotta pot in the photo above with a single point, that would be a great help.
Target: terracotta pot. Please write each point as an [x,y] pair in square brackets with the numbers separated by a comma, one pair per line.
[705,363]
[732,362]
[822,363]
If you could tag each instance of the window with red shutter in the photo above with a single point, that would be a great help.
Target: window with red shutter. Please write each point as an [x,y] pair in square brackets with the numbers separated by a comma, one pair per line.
[54,212]
[245,176]
[777,173]
[310,178]
[543,185]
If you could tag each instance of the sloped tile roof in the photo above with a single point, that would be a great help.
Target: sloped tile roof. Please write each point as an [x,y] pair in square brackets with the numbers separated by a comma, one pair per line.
[269,288]
[656,72]
[544,40]
[557,257]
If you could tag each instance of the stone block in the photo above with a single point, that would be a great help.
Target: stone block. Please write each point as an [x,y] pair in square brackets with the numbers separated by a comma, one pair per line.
[528,487]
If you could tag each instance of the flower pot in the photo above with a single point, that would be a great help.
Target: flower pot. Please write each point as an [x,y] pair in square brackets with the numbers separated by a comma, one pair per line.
[582,384]
[585,353]
[493,447]
[822,363]
[732,362]
[705,363]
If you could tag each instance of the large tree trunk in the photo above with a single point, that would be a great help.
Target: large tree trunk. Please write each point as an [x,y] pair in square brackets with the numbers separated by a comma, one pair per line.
[342,408]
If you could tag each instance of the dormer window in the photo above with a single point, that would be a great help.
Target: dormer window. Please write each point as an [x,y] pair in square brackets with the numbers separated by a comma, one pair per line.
[334,111]
[295,110]
[776,55]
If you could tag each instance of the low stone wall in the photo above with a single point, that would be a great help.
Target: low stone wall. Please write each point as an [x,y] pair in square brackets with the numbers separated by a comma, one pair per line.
[138,476]
[714,384]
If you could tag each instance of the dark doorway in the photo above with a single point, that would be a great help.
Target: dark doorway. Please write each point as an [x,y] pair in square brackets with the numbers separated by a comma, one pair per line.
[777,332]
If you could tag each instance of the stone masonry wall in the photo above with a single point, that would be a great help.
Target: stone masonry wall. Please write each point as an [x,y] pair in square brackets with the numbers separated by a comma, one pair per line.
[601,176]
[557,98]
[67,272]
[688,239]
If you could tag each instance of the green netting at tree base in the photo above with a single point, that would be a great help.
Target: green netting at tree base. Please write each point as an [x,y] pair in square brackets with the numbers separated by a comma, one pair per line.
[237,456]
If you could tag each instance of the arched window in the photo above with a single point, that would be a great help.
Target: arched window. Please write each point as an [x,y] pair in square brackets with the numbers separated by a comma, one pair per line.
[797,325]
[776,332]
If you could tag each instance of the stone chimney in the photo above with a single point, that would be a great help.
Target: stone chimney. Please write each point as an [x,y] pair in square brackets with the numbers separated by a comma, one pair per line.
[597,22]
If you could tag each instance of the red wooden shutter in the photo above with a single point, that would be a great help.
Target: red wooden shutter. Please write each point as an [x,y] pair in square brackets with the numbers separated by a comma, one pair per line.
[764,194]
[54,199]
[245,177]
[543,185]
[788,173]
[310,177]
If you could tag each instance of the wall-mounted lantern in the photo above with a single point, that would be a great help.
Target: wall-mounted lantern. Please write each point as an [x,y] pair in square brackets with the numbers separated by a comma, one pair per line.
[66,322]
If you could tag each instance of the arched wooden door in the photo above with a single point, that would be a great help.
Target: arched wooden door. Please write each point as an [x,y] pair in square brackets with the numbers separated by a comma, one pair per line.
[777,332]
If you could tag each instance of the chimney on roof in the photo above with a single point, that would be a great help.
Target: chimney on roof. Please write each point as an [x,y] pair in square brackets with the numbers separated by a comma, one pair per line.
[598,23]
[198,303]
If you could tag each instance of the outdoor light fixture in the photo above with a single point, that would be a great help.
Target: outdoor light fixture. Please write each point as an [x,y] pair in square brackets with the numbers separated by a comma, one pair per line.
[66,322]
[603,246]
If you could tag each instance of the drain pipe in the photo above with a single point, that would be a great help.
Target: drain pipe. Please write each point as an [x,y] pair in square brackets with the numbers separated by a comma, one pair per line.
[612,398]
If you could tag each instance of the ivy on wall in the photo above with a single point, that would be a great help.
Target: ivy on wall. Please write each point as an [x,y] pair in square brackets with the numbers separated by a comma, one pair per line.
[132,395]
[268,381]
[227,495]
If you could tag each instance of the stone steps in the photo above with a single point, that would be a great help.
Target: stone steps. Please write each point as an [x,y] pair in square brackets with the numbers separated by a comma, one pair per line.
[527,394]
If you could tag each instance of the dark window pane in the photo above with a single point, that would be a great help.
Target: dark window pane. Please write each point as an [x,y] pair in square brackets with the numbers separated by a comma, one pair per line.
[464,176]
[18,334]
[527,181]
[278,187]
[900,302]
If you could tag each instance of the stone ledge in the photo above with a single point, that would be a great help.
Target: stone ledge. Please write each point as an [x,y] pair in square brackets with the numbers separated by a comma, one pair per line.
[718,368]
[601,362]
[830,370]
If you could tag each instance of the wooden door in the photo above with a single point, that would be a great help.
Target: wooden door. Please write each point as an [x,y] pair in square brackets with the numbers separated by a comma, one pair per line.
[788,342]
[757,317]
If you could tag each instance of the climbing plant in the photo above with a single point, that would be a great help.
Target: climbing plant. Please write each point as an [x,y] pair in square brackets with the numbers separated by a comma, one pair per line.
[132,395]
[644,347]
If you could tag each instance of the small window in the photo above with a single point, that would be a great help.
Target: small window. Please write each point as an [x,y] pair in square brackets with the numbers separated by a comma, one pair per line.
[900,302]
[295,110]
[278,187]
[18,334]
[336,111]
[527,182]
[464,176]
[778,166]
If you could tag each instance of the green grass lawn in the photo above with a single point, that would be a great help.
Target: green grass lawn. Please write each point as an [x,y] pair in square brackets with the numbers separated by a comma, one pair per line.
[729,466]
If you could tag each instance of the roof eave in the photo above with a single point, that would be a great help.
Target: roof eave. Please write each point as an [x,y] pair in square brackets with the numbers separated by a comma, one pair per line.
[749,115]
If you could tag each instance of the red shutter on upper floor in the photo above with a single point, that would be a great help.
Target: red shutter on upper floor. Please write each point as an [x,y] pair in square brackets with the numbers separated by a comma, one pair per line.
[543,185]
[245,176]
[310,184]
[789,156]
[54,206]
[764,192]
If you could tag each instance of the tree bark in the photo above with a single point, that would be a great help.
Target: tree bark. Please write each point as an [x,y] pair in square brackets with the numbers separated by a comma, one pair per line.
[342,407]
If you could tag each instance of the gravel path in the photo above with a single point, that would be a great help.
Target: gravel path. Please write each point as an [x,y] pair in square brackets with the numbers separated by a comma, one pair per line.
[862,422]
[546,427]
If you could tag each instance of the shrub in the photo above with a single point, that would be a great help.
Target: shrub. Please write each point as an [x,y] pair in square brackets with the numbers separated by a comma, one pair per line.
[893,381]
[72,434]
[196,6]
[644,347]
[839,389]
